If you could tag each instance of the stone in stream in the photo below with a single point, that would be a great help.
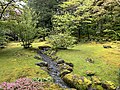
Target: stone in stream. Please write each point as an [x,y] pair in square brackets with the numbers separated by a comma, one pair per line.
[54,58]
[2,46]
[64,72]
[42,64]
[70,69]
[70,64]
[53,53]
[44,47]
[37,57]
[52,69]
[107,46]
[60,61]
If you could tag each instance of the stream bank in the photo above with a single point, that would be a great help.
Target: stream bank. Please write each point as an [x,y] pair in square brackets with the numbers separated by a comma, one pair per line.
[53,67]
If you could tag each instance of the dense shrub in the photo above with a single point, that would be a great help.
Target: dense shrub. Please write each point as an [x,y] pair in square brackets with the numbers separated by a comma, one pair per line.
[23,84]
[48,79]
[62,41]
[29,84]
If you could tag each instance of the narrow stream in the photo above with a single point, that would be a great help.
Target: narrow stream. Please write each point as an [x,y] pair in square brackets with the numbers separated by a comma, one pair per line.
[53,70]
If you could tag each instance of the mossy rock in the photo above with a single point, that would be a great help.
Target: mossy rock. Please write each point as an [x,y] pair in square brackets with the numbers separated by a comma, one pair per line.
[97,87]
[109,85]
[64,72]
[90,73]
[80,83]
[96,80]
[65,67]
[38,57]
[54,58]
[68,78]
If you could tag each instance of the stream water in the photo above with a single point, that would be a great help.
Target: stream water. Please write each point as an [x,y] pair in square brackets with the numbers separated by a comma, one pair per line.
[53,70]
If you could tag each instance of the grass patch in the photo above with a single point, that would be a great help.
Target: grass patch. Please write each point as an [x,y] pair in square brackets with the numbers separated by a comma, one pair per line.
[16,62]
[106,61]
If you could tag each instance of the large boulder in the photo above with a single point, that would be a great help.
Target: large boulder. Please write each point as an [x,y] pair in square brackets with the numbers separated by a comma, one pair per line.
[75,81]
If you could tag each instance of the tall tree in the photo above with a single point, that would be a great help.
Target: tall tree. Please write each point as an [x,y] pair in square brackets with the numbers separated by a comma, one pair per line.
[45,9]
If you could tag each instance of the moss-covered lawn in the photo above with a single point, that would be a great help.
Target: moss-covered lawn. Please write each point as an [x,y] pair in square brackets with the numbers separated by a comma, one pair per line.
[16,62]
[106,61]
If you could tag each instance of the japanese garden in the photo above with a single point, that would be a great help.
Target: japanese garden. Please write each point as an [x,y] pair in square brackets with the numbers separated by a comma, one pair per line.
[59,44]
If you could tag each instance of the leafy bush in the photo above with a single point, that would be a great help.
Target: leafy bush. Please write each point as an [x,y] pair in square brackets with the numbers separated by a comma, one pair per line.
[29,84]
[48,79]
[23,84]
[62,41]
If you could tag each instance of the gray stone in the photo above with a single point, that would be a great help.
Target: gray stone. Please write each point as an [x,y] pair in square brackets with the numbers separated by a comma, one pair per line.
[42,64]
[70,69]
[63,73]
[89,60]
[107,46]
[60,61]
[37,57]
[70,64]
[44,47]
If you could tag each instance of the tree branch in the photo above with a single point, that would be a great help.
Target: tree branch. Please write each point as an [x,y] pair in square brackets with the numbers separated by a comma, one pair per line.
[118,2]
[1,15]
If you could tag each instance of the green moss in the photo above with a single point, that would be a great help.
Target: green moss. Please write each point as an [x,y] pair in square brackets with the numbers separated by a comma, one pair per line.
[87,82]
[110,85]
[21,72]
[90,73]
[76,81]
[97,87]
[96,80]
[18,62]
[104,60]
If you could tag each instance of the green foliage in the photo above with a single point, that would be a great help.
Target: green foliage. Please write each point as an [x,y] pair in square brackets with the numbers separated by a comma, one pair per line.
[45,10]
[24,28]
[111,34]
[48,79]
[87,18]
[65,23]
[2,38]
[42,32]
[3,30]
[27,84]
[61,41]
